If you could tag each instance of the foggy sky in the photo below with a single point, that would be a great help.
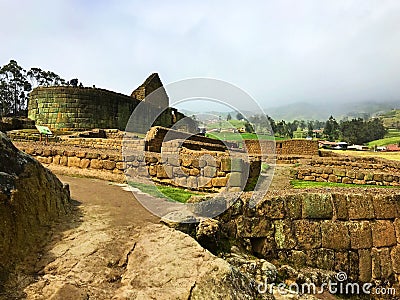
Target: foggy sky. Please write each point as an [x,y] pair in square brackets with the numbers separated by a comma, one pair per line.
[277,51]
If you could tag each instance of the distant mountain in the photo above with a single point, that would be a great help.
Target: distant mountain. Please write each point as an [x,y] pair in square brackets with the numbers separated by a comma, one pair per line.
[319,111]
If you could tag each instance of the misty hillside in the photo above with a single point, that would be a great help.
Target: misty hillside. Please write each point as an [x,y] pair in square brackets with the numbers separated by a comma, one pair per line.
[309,111]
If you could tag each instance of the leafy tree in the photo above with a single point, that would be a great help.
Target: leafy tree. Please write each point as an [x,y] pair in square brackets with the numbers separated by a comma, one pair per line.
[228,117]
[38,77]
[74,82]
[332,129]
[248,127]
[14,88]
[358,131]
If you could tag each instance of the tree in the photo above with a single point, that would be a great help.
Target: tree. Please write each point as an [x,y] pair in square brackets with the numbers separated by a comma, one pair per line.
[332,129]
[229,117]
[358,131]
[14,88]
[74,82]
[239,116]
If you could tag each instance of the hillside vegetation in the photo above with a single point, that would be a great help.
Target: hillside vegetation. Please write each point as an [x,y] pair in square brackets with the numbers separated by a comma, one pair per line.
[391,119]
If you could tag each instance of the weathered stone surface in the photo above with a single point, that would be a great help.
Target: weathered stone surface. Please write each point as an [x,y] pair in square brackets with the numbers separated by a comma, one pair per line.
[96,164]
[383,234]
[385,207]
[109,164]
[74,161]
[360,235]
[317,206]
[200,275]
[365,265]
[360,207]
[335,235]
[31,198]
[308,234]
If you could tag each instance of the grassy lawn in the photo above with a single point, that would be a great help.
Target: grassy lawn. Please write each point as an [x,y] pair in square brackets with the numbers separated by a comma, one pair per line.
[387,155]
[162,191]
[302,184]
[392,137]
[230,136]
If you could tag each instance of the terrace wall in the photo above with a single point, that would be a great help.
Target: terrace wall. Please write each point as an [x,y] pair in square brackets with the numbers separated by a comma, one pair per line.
[358,233]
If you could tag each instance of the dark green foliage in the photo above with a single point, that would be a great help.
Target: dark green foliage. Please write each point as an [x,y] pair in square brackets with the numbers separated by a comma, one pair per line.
[15,87]
[358,131]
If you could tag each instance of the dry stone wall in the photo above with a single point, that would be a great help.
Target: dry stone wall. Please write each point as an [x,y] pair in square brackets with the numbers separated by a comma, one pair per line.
[287,147]
[205,171]
[358,233]
[350,170]
[77,108]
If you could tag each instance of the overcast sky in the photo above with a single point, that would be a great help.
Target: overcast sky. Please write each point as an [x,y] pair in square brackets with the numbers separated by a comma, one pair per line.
[278,51]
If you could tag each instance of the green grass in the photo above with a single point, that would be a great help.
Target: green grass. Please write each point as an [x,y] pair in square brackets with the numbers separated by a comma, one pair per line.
[303,184]
[392,137]
[162,191]
[230,136]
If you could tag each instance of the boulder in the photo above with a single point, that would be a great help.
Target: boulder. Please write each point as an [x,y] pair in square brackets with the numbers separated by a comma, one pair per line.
[31,197]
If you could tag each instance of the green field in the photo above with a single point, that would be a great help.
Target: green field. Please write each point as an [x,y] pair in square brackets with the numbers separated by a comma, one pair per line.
[392,137]
[230,136]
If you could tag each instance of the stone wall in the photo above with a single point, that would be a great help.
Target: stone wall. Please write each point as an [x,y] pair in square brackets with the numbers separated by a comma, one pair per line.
[205,171]
[75,109]
[372,171]
[351,231]
[286,147]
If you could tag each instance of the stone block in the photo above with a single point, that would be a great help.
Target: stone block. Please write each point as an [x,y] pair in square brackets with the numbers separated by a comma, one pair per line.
[194,172]
[237,165]
[360,206]
[209,171]
[235,179]
[192,182]
[381,263]
[385,207]
[293,206]
[181,181]
[395,255]
[317,206]
[164,171]
[96,164]
[109,164]
[339,172]
[120,165]
[378,177]
[91,155]
[254,228]
[383,234]
[204,182]
[64,161]
[69,153]
[56,159]
[284,235]
[365,265]
[360,235]
[332,178]
[225,164]
[335,235]
[81,154]
[347,180]
[396,225]
[309,178]
[340,206]
[308,234]
[271,208]
[321,259]
[219,181]
[152,170]
[85,163]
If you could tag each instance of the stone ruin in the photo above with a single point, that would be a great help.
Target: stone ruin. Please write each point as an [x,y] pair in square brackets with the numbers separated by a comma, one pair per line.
[69,108]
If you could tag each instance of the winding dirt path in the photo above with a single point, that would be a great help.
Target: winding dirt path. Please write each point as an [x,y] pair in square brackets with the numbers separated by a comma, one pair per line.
[87,253]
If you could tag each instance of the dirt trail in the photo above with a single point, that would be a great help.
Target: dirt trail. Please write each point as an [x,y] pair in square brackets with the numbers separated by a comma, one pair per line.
[87,254]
